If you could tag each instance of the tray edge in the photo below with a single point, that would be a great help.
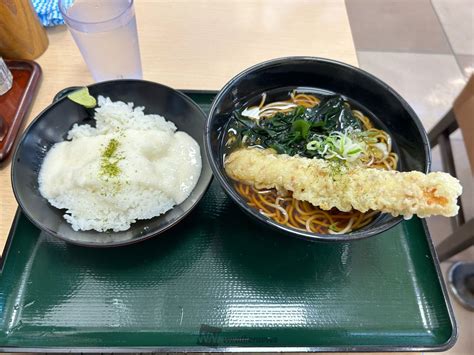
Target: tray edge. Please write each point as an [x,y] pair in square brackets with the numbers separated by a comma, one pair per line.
[437,348]
[27,98]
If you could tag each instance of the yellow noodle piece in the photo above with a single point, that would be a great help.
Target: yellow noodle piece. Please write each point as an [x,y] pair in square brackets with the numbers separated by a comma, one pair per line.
[328,186]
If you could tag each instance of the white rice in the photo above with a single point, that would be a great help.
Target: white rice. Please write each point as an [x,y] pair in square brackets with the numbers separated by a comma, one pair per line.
[159,167]
[112,116]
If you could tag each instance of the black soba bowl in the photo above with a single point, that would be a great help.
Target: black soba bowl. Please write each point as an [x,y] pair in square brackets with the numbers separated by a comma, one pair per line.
[51,126]
[387,110]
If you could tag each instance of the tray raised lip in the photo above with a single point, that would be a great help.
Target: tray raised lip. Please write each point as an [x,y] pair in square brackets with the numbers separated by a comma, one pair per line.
[366,348]
[194,349]
[24,107]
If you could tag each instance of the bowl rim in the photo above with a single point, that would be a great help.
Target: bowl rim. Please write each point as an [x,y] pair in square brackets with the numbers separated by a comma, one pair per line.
[54,233]
[219,173]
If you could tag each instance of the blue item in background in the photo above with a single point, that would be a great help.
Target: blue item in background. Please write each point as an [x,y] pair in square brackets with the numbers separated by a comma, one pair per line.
[48,12]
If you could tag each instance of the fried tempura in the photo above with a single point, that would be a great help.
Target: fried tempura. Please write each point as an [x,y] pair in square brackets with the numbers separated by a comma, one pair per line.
[327,185]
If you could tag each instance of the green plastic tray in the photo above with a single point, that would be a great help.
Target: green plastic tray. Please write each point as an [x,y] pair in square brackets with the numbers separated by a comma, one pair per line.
[220,282]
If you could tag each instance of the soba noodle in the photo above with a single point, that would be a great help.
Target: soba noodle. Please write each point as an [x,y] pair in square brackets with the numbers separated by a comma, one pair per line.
[286,210]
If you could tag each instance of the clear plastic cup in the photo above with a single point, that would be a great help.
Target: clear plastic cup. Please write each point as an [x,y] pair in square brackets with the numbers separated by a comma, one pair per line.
[106,33]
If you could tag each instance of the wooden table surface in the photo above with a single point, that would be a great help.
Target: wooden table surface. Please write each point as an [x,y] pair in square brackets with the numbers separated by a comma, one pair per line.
[199,45]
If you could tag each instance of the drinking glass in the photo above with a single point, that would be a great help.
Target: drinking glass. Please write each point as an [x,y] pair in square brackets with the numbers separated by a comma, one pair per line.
[106,33]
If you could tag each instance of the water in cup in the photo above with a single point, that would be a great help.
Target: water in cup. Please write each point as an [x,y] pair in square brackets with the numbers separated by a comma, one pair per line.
[106,34]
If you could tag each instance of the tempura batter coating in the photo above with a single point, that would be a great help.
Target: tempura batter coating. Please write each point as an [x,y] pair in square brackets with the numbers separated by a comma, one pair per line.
[327,185]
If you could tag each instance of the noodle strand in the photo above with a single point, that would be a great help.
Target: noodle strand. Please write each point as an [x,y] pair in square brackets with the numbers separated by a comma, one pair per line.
[301,215]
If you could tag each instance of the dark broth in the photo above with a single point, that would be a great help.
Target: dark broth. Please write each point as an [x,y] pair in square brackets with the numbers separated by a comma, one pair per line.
[282,94]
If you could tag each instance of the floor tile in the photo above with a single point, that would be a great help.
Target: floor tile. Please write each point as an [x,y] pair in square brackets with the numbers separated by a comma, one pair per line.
[466,62]
[457,18]
[465,322]
[440,227]
[396,26]
[429,82]
[463,171]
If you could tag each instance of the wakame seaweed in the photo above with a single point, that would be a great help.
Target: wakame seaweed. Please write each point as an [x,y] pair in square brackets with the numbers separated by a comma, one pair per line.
[289,133]
[336,113]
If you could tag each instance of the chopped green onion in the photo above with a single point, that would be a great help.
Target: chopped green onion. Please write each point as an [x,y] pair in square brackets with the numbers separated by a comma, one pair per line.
[345,146]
